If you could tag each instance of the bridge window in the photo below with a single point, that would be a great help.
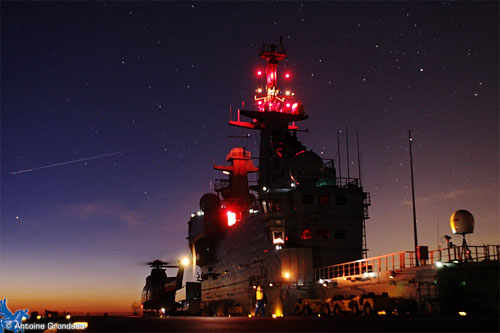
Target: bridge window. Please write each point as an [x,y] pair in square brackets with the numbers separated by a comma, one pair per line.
[341,200]
[324,199]
[278,238]
[307,199]
[274,205]
[340,234]
[323,233]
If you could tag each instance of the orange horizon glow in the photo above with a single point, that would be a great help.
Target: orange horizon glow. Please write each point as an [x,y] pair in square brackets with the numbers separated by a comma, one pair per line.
[73,306]
[44,286]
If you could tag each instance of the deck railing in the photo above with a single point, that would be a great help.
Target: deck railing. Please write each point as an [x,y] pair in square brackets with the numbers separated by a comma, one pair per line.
[221,184]
[347,182]
[405,259]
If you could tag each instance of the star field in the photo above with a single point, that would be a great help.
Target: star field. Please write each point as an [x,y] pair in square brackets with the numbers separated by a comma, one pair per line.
[155,81]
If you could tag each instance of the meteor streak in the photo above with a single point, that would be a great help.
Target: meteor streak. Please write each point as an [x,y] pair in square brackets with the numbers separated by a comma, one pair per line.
[64,163]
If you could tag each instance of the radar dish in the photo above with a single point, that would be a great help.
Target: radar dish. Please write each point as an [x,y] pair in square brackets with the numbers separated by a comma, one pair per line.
[306,168]
[462,222]
[209,201]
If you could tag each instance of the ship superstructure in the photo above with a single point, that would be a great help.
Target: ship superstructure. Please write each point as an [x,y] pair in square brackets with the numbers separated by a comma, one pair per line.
[297,217]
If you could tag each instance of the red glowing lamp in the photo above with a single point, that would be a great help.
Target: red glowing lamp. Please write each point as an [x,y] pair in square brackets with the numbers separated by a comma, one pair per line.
[231,218]
[287,75]
[259,72]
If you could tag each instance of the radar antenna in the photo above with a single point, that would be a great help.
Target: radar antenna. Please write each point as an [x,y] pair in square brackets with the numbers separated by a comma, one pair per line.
[462,223]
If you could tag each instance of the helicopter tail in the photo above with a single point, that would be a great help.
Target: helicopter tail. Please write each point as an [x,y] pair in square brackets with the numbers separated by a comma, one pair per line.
[180,276]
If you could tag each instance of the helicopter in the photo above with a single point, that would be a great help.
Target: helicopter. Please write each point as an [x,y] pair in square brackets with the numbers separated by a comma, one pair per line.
[158,295]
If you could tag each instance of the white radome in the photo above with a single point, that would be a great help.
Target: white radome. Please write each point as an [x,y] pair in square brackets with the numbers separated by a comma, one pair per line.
[462,222]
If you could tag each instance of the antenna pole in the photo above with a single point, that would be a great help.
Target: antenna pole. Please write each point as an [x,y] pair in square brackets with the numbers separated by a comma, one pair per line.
[359,159]
[347,151]
[338,154]
[413,201]
[437,222]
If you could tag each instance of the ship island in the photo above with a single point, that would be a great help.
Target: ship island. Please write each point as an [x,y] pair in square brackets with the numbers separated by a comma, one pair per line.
[298,231]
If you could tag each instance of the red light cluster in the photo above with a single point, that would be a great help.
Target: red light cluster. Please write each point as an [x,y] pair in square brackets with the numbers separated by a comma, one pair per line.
[306,234]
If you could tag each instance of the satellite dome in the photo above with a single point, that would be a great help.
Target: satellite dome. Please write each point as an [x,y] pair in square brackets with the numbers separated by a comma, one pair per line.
[209,201]
[462,222]
[306,167]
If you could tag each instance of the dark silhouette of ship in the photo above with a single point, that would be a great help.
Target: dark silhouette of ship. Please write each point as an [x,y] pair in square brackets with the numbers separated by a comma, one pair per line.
[298,231]
[298,216]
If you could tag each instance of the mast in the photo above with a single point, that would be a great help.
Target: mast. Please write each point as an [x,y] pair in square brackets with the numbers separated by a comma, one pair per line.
[364,250]
[347,152]
[359,159]
[413,201]
[276,114]
[338,154]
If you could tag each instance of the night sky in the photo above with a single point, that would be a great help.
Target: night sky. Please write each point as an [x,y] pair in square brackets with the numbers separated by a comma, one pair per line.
[150,84]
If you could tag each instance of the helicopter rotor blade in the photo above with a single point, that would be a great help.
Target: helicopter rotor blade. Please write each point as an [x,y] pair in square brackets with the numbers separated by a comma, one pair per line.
[161,264]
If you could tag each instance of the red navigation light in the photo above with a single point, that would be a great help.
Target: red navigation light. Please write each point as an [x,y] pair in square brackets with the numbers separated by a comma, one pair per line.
[306,234]
[287,75]
[259,72]
[231,218]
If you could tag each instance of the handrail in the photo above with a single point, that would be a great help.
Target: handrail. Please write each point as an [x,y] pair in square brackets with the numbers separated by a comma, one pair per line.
[405,259]
[221,184]
[273,48]
[347,182]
